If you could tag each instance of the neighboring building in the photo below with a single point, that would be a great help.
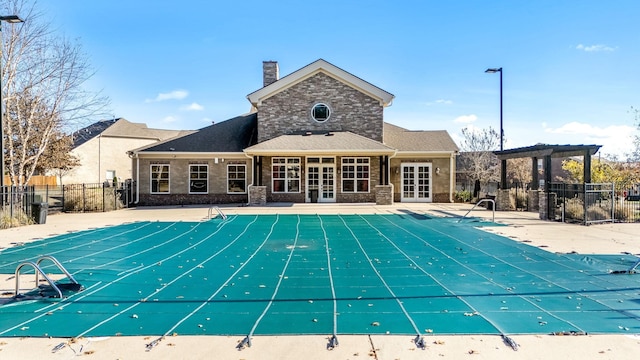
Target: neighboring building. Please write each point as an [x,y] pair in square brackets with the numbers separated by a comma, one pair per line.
[315,135]
[102,149]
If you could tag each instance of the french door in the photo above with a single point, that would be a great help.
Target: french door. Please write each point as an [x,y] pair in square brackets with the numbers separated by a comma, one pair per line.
[321,180]
[416,182]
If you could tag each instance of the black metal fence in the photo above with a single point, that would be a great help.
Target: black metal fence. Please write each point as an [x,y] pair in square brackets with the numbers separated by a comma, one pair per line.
[19,202]
[591,203]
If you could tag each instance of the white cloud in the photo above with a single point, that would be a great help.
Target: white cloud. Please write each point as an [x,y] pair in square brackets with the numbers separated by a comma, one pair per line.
[174,95]
[440,102]
[466,119]
[615,139]
[169,119]
[595,48]
[192,107]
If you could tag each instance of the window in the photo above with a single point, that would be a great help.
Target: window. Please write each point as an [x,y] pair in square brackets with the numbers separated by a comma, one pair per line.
[159,179]
[236,178]
[355,175]
[198,179]
[285,175]
[320,112]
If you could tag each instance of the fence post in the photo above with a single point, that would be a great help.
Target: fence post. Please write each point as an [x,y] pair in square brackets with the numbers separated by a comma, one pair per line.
[104,185]
[84,198]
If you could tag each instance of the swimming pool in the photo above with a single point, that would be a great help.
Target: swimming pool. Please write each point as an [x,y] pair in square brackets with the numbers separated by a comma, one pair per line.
[408,274]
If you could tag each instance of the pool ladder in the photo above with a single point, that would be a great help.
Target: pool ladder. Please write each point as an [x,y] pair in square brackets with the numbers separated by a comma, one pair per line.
[216,209]
[38,271]
[493,202]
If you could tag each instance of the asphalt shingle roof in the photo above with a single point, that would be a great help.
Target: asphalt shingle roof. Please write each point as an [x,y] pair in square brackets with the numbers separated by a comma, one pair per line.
[421,140]
[233,135]
[341,141]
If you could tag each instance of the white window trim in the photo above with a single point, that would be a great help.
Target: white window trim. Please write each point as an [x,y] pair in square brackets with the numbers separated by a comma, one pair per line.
[151,180]
[286,178]
[355,179]
[325,105]
[199,192]
[245,179]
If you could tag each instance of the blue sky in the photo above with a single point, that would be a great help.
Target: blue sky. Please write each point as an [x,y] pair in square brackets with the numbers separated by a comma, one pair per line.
[570,68]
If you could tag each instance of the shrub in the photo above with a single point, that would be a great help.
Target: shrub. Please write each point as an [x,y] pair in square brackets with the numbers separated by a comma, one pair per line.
[574,209]
[19,219]
[463,196]
[92,199]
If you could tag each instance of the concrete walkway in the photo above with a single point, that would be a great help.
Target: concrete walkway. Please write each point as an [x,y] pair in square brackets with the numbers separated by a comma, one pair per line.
[521,226]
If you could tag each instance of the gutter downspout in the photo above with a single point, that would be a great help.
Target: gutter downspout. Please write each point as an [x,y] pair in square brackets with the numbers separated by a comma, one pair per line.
[395,152]
[137,179]
[253,177]
[452,176]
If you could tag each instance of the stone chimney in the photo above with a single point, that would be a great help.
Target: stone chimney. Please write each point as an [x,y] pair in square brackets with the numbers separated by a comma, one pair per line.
[270,72]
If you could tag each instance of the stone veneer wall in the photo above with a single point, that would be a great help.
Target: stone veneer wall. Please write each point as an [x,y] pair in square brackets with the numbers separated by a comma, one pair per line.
[503,200]
[191,199]
[384,194]
[290,110]
[374,171]
[534,200]
[257,195]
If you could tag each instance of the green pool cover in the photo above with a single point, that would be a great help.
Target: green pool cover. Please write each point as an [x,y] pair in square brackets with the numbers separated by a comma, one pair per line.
[318,274]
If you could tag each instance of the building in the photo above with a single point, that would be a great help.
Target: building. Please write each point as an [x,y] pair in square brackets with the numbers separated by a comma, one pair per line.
[102,149]
[315,135]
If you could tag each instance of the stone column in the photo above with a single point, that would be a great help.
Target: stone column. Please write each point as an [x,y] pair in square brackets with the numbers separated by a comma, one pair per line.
[503,200]
[384,194]
[534,200]
[257,195]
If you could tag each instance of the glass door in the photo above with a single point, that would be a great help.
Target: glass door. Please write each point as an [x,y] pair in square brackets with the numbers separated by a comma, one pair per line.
[416,182]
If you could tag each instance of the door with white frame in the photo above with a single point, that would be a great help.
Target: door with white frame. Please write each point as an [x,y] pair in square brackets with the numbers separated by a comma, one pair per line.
[416,182]
[321,179]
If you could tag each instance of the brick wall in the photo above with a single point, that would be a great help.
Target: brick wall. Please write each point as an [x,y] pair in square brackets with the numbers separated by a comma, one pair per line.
[290,110]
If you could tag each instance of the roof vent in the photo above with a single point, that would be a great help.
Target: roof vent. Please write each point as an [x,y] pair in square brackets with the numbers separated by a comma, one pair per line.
[328,134]
[172,149]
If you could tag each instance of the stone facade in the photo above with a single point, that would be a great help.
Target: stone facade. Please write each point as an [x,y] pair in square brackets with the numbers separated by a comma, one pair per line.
[341,197]
[257,195]
[384,195]
[289,111]
[179,182]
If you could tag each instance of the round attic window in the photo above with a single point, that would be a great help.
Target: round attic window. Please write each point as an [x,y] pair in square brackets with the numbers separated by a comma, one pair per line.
[320,112]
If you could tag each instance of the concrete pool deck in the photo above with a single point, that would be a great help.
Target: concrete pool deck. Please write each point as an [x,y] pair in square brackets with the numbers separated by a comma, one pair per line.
[522,226]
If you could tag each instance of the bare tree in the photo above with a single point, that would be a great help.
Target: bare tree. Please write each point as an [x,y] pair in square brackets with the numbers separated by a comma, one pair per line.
[42,87]
[477,160]
[634,156]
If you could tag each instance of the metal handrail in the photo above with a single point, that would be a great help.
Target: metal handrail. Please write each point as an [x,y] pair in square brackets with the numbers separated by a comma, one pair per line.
[479,202]
[210,214]
[58,264]
[38,270]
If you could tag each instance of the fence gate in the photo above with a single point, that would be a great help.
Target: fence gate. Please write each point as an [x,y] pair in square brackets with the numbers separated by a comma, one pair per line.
[581,203]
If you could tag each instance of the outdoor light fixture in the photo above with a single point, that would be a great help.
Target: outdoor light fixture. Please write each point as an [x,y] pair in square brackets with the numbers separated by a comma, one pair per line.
[10,19]
[503,163]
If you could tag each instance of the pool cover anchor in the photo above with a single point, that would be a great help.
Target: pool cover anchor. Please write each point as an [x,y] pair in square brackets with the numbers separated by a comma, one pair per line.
[246,342]
[333,342]
[509,341]
[420,342]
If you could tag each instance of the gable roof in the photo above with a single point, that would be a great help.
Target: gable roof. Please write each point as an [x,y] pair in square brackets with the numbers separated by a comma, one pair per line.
[232,135]
[327,68]
[122,128]
[418,141]
[344,142]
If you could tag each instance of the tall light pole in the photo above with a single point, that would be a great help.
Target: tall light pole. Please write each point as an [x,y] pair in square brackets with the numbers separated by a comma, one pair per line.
[493,71]
[503,164]
[10,19]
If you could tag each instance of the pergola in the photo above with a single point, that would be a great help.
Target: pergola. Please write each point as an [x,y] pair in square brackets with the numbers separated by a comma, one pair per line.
[546,152]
